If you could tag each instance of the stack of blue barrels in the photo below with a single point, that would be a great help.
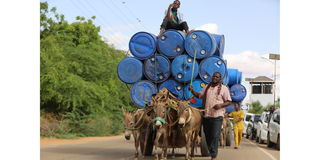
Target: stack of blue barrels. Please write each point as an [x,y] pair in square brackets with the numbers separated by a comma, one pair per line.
[174,60]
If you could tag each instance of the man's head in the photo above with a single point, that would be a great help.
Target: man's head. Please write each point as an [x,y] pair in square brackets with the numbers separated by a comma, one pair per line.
[216,78]
[176,4]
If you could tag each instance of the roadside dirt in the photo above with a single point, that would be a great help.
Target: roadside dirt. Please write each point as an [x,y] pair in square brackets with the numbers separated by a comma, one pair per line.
[44,142]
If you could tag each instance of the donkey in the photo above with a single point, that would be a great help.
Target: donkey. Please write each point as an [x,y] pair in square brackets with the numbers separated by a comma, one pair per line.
[164,122]
[190,121]
[136,124]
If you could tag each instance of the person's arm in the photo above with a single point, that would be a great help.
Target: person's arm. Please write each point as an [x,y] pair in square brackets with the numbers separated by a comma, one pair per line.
[226,98]
[222,105]
[168,11]
[197,94]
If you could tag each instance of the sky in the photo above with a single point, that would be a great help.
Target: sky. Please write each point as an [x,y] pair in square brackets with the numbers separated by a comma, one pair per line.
[251,27]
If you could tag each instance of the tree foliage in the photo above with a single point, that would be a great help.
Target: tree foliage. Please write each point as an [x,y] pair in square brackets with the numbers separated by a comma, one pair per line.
[78,70]
[256,108]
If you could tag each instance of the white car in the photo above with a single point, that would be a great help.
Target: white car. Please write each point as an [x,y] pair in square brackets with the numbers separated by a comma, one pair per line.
[274,130]
[262,127]
[246,121]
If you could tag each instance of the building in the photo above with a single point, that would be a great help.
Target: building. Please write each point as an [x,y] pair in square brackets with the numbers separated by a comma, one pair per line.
[261,89]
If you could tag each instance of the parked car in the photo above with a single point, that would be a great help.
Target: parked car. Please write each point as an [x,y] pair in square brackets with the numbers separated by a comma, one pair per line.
[246,121]
[273,136]
[262,127]
[252,126]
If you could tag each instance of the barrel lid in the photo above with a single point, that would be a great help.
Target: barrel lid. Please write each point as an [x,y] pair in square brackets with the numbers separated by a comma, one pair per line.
[238,92]
[200,43]
[211,65]
[157,68]
[171,43]
[130,70]
[143,45]
[141,92]
[182,66]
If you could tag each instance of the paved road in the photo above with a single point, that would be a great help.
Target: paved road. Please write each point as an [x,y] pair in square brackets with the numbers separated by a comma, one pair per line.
[119,148]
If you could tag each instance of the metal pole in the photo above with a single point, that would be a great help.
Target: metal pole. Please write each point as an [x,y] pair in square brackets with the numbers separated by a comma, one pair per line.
[275,73]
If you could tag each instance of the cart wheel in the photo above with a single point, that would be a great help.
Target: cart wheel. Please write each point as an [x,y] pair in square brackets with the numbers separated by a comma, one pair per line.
[203,145]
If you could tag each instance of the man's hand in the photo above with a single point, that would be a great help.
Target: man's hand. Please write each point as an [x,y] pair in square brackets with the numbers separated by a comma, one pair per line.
[217,106]
[191,88]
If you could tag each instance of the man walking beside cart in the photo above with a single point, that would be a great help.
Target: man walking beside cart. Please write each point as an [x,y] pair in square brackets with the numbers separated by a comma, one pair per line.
[215,97]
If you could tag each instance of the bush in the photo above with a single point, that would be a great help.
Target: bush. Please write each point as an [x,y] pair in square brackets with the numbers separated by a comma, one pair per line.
[80,93]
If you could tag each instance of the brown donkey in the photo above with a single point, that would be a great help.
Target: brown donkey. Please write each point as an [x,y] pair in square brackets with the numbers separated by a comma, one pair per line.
[190,121]
[167,129]
[136,123]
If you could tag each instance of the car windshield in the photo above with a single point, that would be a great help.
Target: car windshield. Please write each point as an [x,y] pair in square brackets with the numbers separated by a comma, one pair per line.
[248,117]
[256,118]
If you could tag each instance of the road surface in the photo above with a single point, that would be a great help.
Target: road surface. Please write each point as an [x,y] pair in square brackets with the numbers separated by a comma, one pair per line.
[117,147]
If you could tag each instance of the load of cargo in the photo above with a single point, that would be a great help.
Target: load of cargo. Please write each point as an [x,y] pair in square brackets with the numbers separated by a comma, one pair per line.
[174,61]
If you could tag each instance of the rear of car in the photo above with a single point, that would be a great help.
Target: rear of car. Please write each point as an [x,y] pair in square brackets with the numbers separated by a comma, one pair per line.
[273,136]
[246,122]
[262,127]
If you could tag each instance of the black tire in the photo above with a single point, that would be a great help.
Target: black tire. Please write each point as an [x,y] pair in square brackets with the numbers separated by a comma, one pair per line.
[229,137]
[269,143]
[149,145]
[278,143]
[203,145]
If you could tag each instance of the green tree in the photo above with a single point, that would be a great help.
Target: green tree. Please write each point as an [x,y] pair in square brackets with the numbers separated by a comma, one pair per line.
[256,108]
[78,78]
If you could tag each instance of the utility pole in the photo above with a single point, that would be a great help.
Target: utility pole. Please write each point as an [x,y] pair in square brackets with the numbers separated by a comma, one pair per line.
[275,57]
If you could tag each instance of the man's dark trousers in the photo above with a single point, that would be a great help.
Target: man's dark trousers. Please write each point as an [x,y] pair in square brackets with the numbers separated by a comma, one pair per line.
[166,24]
[212,129]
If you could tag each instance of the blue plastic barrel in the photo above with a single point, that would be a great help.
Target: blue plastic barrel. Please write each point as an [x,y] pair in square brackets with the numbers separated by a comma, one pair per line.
[171,43]
[174,87]
[225,79]
[198,85]
[141,92]
[200,43]
[181,68]
[220,45]
[211,65]
[232,76]
[230,108]
[143,45]
[238,92]
[239,77]
[157,68]
[130,70]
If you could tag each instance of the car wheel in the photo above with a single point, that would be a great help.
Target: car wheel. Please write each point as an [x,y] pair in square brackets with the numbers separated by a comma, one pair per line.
[278,143]
[269,143]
